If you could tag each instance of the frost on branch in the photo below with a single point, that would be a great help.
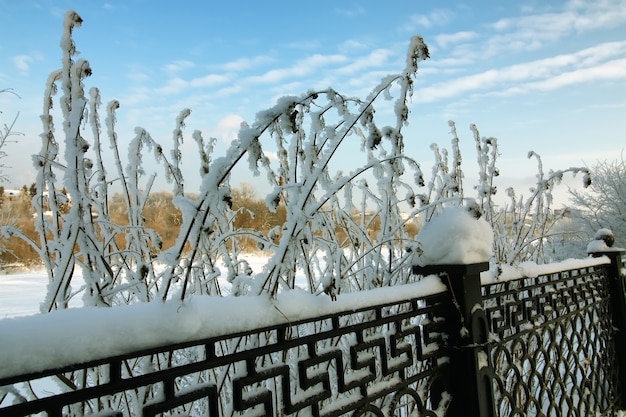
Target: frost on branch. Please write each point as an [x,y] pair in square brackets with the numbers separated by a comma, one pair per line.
[348,222]
[330,207]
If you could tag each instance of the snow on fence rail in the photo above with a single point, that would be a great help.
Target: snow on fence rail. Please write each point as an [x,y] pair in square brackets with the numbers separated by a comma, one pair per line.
[444,345]
[69,337]
[299,353]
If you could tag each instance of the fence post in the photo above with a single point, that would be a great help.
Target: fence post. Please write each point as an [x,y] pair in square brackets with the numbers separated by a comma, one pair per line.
[617,288]
[466,324]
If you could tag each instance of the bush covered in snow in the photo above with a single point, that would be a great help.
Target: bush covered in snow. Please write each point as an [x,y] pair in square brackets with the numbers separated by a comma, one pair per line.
[326,235]
[601,205]
[326,240]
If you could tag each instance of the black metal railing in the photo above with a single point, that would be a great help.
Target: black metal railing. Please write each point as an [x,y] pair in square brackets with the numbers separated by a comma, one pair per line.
[380,359]
[552,350]
[550,345]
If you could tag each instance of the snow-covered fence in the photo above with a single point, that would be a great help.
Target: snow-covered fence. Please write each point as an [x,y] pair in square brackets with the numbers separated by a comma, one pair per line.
[557,343]
[456,342]
[551,342]
[378,351]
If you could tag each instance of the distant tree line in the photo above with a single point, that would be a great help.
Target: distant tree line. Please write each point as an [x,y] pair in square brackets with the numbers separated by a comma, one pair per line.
[160,214]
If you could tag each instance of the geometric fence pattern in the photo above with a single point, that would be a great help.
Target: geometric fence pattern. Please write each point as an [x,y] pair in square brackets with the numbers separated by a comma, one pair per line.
[552,351]
[380,360]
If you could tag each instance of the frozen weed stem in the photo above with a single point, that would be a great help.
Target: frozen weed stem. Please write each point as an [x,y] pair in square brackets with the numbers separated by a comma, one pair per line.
[330,205]
[327,237]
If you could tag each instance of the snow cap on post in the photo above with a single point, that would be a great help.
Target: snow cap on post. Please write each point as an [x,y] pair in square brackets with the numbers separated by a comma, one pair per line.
[603,241]
[456,236]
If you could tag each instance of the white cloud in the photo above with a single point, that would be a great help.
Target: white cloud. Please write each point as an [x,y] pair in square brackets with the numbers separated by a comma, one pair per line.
[437,17]
[376,58]
[244,64]
[302,68]
[587,65]
[229,90]
[533,31]
[351,45]
[209,80]
[447,39]
[23,62]
[613,70]
[227,128]
[173,86]
[178,85]
[177,66]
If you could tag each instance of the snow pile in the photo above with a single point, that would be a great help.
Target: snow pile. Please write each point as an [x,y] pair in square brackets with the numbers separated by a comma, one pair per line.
[603,241]
[74,336]
[455,236]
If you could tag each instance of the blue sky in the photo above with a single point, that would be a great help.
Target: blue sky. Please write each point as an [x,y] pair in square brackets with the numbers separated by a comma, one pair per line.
[548,76]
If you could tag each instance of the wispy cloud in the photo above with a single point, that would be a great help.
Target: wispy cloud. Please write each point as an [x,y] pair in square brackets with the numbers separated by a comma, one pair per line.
[596,63]
[227,128]
[612,70]
[177,85]
[209,80]
[246,63]
[352,45]
[438,17]
[23,62]
[354,11]
[178,66]
[533,31]
[374,59]
[448,39]
[302,68]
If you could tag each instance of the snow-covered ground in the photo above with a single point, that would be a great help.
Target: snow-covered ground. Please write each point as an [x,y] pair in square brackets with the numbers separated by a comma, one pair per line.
[21,293]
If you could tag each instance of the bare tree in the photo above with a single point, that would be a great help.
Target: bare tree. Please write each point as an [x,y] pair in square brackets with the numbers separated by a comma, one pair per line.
[603,203]
[6,131]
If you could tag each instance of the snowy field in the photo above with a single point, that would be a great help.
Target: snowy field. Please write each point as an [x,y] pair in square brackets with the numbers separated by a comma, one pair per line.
[21,293]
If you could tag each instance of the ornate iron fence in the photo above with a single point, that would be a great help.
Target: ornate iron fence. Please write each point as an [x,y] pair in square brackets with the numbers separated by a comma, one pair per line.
[381,359]
[551,345]
[552,349]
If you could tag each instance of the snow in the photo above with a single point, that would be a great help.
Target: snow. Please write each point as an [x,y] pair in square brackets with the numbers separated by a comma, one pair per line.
[532,269]
[37,342]
[603,242]
[455,236]
[20,294]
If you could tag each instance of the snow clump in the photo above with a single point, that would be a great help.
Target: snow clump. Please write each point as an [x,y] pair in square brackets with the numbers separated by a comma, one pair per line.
[455,236]
[602,241]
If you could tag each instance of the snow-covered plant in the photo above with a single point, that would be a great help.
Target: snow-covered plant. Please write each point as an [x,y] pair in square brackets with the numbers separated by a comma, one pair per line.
[308,132]
[6,131]
[602,204]
[331,202]
[329,211]
[525,228]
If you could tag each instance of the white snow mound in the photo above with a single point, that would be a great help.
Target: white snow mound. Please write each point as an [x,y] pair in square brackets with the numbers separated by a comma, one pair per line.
[454,237]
